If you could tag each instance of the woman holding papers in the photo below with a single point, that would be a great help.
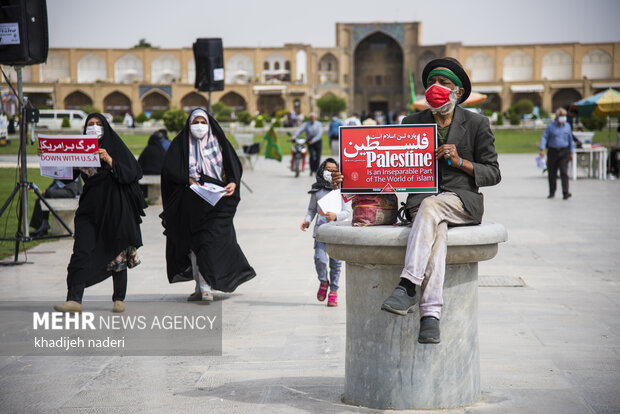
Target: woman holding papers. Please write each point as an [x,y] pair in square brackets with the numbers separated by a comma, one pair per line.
[107,221]
[201,243]
[337,209]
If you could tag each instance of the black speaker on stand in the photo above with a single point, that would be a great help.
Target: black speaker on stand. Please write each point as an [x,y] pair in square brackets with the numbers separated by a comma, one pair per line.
[23,41]
[209,58]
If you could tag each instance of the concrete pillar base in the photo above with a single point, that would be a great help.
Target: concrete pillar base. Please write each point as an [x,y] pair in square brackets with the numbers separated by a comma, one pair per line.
[385,366]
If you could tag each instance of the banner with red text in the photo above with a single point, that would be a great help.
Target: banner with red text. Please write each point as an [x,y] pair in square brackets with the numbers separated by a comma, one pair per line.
[388,159]
[69,151]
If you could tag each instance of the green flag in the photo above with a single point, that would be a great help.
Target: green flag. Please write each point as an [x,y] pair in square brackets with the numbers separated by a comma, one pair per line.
[273,149]
[412,103]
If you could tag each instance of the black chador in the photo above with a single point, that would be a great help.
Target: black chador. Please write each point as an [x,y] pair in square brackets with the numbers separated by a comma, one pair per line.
[107,220]
[191,223]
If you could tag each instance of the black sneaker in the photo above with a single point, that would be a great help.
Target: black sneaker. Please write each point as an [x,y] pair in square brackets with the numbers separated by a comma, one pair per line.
[429,330]
[399,302]
[551,196]
[567,196]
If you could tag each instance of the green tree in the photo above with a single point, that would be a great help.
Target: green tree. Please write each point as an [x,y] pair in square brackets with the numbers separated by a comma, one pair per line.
[594,122]
[143,44]
[65,123]
[158,115]
[89,109]
[174,119]
[523,106]
[331,104]
[259,122]
[513,116]
[244,117]
[222,112]
[141,117]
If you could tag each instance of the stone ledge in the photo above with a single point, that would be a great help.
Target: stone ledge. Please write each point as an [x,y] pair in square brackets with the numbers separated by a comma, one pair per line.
[387,244]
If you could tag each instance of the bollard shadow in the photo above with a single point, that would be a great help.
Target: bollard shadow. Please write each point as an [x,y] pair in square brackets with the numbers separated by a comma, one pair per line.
[310,394]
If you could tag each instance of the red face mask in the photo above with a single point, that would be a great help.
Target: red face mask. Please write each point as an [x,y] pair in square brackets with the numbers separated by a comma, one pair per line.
[437,95]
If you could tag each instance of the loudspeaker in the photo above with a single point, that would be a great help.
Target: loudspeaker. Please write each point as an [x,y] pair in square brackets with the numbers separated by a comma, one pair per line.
[23,32]
[209,58]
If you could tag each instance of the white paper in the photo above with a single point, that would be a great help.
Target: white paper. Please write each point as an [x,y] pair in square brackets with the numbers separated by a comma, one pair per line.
[218,74]
[211,193]
[331,202]
[9,34]
[59,173]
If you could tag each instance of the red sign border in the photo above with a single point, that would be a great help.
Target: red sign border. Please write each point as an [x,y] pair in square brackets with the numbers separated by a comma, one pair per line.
[407,190]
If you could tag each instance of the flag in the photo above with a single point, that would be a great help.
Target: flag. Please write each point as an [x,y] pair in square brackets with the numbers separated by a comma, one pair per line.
[273,149]
[412,101]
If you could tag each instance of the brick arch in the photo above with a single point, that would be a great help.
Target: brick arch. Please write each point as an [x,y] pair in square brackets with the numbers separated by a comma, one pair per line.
[235,101]
[193,100]
[155,101]
[116,103]
[77,100]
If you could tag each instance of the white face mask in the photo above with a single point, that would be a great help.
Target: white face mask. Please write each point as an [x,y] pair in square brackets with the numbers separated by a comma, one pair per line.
[94,130]
[199,130]
[562,119]
[327,175]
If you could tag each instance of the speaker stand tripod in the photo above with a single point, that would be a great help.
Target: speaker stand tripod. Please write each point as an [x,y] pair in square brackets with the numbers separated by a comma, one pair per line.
[22,235]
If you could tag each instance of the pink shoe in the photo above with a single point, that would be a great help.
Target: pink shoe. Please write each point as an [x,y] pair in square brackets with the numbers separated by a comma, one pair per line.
[332,299]
[322,293]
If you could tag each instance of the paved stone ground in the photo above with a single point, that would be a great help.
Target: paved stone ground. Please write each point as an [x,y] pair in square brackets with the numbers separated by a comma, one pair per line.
[550,346]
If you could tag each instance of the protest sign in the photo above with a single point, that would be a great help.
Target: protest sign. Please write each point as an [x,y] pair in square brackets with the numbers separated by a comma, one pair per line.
[69,151]
[388,159]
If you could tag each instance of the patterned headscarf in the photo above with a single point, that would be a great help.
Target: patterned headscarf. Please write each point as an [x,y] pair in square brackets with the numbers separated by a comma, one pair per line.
[205,154]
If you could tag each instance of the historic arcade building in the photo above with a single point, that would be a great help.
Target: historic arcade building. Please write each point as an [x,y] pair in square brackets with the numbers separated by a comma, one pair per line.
[369,67]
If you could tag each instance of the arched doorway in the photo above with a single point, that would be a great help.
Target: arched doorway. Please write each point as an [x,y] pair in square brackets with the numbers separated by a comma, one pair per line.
[564,98]
[155,101]
[116,103]
[193,100]
[77,100]
[328,70]
[378,67]
[492,103]
[270,104]
[234,100]
[40,100]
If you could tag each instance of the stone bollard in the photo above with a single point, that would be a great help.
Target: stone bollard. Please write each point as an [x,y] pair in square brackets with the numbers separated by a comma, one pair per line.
[385,366]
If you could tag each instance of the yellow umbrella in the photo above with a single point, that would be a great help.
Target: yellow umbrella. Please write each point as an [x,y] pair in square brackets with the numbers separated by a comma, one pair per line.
[603,103]
[474,98]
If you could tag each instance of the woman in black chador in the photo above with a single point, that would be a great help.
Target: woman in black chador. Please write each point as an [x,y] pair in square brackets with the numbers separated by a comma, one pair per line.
[107,221]
[201,243]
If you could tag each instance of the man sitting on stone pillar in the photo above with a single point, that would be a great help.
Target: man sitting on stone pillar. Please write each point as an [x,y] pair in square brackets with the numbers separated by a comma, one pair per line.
[466,160]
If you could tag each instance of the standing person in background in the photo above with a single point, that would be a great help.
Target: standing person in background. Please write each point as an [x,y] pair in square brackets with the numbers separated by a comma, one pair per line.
[558,139]
[369,121]
[151,159]
[128,120]
[314,131]
[353,120]
[58,189]
[333,132]
[107,221]
[320,189]
[164,140]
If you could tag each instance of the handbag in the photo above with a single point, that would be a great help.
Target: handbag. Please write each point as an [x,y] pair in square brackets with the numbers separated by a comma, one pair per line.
[374,209]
